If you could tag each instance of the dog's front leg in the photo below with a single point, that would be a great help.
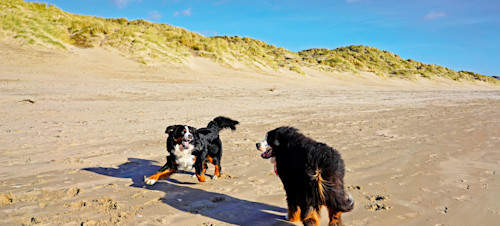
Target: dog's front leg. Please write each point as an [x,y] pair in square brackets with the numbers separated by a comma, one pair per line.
[160,175]
[164,172]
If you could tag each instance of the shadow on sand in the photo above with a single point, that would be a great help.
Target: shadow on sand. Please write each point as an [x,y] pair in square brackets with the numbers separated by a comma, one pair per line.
[217,206]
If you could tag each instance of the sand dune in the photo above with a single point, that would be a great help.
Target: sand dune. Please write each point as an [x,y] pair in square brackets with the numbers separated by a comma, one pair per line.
[81,129]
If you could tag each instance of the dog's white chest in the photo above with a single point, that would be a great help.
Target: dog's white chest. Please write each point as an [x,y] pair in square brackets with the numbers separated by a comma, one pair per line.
[183,157]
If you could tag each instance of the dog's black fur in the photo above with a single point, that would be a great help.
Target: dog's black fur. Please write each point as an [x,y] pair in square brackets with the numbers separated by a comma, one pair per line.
[312,174]
[205,145]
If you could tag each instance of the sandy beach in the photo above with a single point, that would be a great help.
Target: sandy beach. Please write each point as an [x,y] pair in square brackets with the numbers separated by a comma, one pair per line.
[80,130]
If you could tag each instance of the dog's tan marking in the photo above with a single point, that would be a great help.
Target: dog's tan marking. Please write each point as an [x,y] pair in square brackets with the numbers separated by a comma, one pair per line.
[321,184]
[160,175]
[201,177]
[312,218]
[217,169]
[335,217]
[293,213]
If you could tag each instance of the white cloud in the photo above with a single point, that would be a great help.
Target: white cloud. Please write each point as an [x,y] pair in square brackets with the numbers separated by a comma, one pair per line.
[186,12]
[434,15]
[209,33]
[154,15]
[122,3]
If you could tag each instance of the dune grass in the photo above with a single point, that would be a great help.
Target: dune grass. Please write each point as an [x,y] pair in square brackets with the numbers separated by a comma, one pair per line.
[48,26]
[384,63]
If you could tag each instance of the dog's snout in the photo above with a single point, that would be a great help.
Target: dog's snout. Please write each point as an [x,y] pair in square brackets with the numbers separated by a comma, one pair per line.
[190,136]
[258,145]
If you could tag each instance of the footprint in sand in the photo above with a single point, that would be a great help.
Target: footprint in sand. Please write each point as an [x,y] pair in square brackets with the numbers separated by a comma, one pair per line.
[490,172]
[227,176]
[416,200]
[377,206]
[463,198]
[200,209]
[397,176]
[378,198]
[442,209]
[407,215]
[218,199]
[354,187]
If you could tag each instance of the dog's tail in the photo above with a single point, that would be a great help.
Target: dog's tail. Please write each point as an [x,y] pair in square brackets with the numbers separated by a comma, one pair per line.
[335,196]
[222,122]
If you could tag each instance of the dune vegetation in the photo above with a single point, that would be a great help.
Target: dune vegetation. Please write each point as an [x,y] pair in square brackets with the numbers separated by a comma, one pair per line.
[46,25]
[383,63]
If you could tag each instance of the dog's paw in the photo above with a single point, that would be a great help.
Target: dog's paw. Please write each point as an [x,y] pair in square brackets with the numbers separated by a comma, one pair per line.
[149,181]
[194,176]
[215,177]
[293,217]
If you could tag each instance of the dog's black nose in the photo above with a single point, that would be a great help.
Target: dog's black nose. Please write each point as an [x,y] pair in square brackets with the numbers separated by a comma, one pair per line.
[258,145]
[190,136]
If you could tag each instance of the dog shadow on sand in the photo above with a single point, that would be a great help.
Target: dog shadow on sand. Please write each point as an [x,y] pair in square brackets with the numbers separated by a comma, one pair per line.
[217,206]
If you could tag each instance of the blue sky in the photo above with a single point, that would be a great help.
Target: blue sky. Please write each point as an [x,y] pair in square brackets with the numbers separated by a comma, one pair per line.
[458,34]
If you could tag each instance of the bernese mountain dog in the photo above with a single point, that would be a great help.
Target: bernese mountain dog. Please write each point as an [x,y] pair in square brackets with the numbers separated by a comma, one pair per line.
[312,174]
[189,147]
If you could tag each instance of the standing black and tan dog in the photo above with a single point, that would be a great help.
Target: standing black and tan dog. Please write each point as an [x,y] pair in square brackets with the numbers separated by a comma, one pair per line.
[189,147]
[312,174]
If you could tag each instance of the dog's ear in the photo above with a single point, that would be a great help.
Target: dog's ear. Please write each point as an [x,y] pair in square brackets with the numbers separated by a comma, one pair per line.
[276,142]
[169,129]
[280,137]
[272,139]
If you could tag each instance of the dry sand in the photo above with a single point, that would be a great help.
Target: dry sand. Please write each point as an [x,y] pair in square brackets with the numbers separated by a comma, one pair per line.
[80,130]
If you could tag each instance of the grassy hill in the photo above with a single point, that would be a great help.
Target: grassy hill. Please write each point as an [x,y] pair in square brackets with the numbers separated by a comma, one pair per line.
[48,26]
[383,63]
